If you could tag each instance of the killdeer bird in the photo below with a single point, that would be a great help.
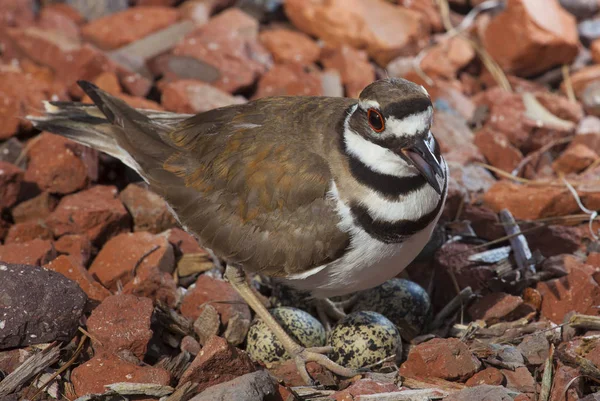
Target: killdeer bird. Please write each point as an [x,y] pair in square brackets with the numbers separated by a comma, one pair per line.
[329,195]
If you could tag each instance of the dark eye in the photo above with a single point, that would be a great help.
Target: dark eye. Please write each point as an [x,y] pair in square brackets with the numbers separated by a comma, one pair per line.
[375,120]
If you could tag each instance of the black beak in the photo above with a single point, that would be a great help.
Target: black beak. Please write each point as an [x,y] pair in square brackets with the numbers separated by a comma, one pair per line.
[421,157]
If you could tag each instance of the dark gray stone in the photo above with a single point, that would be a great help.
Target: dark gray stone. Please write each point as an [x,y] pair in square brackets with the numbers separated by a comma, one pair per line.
[93,9]
[11,151]
[510,356]
[37,306]
[591,98]
[535,348]
[255,386]
[589,30]
[263,10]
[580,8]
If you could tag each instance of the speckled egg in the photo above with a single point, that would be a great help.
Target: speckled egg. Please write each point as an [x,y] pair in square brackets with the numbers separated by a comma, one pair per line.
[364,338]
[403,302]
[263,346]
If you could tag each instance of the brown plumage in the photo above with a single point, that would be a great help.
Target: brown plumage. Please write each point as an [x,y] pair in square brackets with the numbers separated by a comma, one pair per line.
[256,197]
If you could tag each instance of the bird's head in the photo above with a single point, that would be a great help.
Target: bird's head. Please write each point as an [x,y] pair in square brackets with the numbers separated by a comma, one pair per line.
[396,114]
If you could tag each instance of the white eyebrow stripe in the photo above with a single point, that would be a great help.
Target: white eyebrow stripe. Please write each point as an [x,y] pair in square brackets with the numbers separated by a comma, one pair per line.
[410,125]
[369,104]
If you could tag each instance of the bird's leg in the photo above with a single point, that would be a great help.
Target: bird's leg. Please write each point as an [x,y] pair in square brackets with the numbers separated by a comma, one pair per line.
[322,315]
[326,309]
[347,303]
[301,355]
[330,309]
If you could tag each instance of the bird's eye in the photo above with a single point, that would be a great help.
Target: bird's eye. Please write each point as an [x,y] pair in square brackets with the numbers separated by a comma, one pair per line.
[375,120]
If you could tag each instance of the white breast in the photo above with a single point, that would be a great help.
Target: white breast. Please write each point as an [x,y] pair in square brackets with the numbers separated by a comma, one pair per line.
[369,262]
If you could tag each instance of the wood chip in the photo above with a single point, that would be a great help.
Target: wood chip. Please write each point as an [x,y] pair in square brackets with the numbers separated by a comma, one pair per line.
[308,393]
[149,389]
[183,392]
[585,322]
[207,324]
[407,395]
[547,376]
[517,241]
[172,321]
[176,365]
[31,367]
[237,328]
[492,256]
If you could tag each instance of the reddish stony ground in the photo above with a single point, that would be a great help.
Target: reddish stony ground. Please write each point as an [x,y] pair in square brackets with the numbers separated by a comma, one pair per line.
[512,138]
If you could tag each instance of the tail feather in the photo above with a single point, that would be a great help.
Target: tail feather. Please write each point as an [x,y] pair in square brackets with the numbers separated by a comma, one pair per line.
[110,125]
[81,123]
[142,134]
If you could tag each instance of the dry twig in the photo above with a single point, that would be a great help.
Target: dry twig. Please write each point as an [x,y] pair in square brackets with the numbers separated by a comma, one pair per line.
[527,159]
[502,173]
[592,213]
[587,322]
[66,366]
[547,377]
[465,295]
[568,83]
[31,367]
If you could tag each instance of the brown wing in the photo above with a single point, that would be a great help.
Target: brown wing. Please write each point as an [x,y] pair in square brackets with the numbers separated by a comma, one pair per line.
[252,185]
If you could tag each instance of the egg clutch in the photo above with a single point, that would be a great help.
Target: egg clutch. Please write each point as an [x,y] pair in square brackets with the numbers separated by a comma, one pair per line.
[373,330]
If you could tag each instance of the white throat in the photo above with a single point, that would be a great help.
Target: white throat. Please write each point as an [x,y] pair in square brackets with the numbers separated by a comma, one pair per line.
[375,157]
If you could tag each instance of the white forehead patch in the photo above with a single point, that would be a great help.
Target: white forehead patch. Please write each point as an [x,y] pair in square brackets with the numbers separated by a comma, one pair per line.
[424,90]
[369,104]
[410,125]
